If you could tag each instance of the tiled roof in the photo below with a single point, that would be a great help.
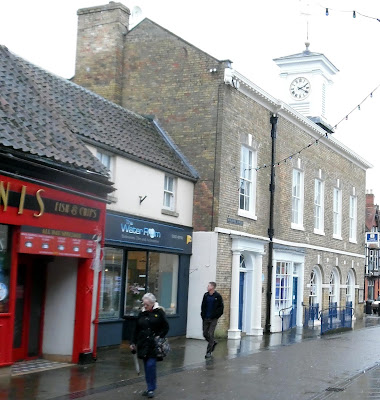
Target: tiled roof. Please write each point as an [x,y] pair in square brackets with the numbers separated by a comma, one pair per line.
[46,115]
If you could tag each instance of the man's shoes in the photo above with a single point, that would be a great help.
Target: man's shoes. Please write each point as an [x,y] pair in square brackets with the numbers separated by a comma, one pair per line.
[213,346]
[148,393]
[145,393]
[208,355]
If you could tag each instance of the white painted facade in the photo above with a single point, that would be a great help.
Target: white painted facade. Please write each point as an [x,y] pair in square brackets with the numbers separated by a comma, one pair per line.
[202,271]
[134,180]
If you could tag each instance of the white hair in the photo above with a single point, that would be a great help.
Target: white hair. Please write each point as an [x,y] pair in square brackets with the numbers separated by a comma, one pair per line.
[150,297]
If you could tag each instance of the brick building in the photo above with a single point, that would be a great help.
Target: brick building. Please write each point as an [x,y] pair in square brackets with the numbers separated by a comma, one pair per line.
[372,277]
[222,122]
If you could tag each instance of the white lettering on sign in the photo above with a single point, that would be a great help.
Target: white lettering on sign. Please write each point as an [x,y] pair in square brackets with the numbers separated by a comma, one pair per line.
[128,227]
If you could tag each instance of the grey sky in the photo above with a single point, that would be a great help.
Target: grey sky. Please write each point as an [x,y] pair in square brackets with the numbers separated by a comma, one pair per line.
[250,34]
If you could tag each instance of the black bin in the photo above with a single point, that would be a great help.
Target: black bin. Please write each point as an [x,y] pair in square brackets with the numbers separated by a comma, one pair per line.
[368,308]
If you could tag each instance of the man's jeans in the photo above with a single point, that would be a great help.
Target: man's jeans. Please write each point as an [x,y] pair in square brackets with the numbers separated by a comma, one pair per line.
[209,326]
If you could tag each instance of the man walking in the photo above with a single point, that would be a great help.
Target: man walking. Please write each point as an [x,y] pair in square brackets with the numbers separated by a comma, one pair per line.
[211,310]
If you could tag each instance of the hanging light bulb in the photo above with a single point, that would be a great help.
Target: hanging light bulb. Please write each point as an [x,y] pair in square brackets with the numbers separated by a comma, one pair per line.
[327,12]
[371,95]
[359,107]
[354,14]
[346,117]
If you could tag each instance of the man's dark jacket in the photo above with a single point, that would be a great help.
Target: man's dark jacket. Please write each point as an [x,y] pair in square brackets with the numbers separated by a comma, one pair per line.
[218,306]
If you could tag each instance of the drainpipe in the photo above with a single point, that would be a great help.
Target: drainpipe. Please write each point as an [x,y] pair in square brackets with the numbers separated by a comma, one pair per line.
[273,121]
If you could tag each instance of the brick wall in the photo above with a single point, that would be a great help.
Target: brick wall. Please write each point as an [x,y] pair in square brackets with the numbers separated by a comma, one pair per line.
[171,79]
[100,44]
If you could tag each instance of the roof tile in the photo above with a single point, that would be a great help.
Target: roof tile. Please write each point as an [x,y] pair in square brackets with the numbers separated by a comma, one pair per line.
[46,115]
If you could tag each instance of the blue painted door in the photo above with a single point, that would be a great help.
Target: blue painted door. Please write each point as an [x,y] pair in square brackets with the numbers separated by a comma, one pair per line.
[241,299]
[294,302]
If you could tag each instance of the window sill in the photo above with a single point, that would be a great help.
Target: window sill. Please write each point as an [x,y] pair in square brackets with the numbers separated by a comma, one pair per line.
[297,227]
[169,212]
[318,232]
[353,241]
[246,214]
[337,237]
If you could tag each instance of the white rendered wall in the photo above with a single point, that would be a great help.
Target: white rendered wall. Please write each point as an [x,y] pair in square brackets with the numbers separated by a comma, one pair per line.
[61,286]
[133,179]
[202,271]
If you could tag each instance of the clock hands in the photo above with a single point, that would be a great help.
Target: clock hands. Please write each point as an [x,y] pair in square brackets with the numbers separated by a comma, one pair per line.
[302,87]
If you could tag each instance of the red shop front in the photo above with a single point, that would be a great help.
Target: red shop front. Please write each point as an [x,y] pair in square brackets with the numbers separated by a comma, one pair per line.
[50,241]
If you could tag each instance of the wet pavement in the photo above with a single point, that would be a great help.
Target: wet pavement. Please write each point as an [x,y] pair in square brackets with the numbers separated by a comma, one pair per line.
[293,365]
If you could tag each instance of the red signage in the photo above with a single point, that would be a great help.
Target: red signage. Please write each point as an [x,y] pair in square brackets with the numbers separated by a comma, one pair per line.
[56,243]
[31,204]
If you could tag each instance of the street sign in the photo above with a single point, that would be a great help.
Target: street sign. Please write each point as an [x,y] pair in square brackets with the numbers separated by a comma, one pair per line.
[372,237]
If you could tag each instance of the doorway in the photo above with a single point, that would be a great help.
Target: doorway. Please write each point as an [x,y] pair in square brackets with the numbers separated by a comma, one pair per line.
[241,300]
[29,308]
[294,302]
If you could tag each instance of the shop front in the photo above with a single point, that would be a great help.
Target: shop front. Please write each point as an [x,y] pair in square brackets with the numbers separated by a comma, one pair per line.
[142,256]
[50,241]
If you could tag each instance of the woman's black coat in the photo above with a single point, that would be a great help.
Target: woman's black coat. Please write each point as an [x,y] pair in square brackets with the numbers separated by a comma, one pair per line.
[149,324]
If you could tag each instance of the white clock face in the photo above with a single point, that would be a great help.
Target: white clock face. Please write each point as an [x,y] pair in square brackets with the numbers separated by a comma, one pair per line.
[300,88]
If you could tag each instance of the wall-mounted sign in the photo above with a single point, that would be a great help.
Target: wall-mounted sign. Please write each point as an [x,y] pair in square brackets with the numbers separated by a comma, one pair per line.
[372,237]
[234,221]
[27,203]
[132,231]
[44,241]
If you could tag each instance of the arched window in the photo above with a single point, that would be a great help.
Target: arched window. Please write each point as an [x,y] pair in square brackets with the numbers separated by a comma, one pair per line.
[315,294]
[350,288]
[334,287]
[313,288]
[242,262]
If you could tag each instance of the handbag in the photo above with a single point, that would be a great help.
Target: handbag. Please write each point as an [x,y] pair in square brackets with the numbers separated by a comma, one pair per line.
[162,347]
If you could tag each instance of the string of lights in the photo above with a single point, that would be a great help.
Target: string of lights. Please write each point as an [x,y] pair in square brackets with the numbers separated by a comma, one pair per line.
[353,12]
[316,141]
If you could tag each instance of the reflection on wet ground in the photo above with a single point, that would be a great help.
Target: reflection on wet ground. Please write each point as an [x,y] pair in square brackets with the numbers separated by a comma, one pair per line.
[115,368]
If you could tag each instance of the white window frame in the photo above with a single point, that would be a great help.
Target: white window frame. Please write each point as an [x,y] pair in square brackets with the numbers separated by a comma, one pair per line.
[248,161]
[319,207]
[371,292]
[297,199]
[169,193]
[334,287]
[106,159]
[284,282]
[353,219]
[337,213]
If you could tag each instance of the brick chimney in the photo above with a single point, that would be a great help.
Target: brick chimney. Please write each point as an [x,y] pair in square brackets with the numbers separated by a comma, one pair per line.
[369,199]
[100,48]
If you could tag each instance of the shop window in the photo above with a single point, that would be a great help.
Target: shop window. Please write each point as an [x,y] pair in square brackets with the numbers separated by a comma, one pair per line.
[163,280]
[109,306]
[283,276]
[4,269]
[136,281]
[151,272]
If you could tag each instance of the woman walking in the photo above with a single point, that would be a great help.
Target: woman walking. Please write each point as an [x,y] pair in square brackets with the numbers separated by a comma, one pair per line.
[151,322]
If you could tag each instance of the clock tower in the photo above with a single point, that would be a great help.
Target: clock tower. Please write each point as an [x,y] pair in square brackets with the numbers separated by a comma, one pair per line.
[306,78]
